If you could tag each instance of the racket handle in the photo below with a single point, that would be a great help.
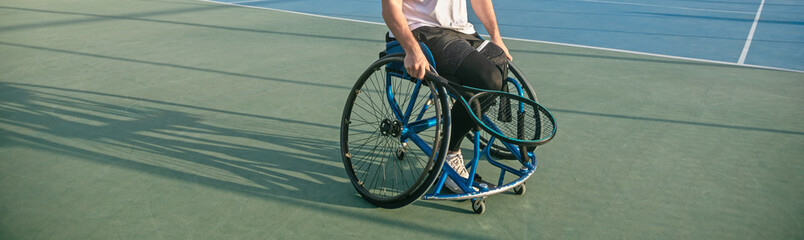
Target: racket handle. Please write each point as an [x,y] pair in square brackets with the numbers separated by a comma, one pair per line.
[520,125]
[520,134]
[504,112]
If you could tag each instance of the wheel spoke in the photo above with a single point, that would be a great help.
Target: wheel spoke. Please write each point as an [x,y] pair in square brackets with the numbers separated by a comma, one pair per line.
[371,140]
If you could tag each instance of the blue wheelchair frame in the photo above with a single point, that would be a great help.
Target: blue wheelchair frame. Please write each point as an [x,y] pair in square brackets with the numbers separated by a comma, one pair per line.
[411,128]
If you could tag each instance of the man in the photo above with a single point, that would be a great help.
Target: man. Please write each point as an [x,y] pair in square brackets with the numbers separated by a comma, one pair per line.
[459,53]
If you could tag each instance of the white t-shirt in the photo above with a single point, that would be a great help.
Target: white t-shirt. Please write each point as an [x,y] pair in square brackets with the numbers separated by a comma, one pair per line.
[437,13]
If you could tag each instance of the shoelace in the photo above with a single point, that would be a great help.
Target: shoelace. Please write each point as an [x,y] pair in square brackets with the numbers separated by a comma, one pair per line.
[456,162]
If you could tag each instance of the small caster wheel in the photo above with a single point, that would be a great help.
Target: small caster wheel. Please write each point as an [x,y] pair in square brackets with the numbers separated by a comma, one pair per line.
[400,153]
[519,190]
[479,205]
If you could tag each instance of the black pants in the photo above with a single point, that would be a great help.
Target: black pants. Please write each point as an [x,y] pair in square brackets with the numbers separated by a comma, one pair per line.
[458,60]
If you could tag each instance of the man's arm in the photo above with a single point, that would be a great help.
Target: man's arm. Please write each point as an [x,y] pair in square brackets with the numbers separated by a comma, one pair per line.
[415,61]
[485,12]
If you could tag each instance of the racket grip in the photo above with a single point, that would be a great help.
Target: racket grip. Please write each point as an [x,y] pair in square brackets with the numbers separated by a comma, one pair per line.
[538,130]
[504,112]
[520,134]
[520,125]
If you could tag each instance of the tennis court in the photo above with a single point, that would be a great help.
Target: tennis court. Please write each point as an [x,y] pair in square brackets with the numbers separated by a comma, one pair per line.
[185,119]
[756,33]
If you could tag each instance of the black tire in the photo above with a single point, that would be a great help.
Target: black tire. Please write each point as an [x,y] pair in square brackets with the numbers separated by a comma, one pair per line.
[385,174]
[497,149]
[479,205]
[520,190]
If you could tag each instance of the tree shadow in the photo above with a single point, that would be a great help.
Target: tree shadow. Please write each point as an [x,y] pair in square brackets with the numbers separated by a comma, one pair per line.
[147,17]
[171,65]
[276,159]
[178,142]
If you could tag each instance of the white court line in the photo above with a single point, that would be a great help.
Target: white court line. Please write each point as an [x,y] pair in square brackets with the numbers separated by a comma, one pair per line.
[664,6]
[656,55]
[535,41]
[750,38]
[294,12]
[249,1]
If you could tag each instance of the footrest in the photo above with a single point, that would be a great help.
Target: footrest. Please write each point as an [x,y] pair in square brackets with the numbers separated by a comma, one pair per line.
[481,193]
[479,183]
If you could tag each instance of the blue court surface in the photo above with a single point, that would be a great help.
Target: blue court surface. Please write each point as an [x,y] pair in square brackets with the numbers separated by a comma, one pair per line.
[751,32]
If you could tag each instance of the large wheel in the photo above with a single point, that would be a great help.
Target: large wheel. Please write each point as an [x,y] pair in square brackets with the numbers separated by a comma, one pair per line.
[514,74]
[392,134]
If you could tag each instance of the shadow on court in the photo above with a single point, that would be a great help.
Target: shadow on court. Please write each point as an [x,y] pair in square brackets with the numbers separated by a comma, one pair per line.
[172,141]
[146,17]
[164,140]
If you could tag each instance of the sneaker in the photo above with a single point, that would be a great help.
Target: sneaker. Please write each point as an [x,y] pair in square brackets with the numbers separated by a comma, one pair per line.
[455,161]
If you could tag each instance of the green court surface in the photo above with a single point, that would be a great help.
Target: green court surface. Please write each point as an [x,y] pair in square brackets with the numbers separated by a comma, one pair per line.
[179,119]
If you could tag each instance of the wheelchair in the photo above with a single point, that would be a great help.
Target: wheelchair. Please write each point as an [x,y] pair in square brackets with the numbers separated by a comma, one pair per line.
[395,130]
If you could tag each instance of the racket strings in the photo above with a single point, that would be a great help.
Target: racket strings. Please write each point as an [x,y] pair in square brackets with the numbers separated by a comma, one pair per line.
[513,118]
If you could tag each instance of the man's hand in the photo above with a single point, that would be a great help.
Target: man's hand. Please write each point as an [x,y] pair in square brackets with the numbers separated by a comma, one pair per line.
[484,10]
[415,61]
[416,64]
[500,44]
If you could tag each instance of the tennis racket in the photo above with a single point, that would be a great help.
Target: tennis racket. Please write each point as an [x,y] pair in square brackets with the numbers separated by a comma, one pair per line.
[507,117]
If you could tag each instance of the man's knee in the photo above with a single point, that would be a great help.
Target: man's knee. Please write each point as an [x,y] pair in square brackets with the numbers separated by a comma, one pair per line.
[492,79]
[478,71]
